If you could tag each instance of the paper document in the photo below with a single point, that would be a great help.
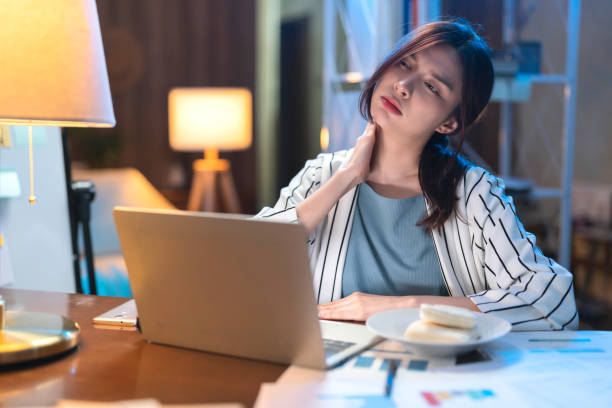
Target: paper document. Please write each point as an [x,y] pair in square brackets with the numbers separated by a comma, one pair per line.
[527,369]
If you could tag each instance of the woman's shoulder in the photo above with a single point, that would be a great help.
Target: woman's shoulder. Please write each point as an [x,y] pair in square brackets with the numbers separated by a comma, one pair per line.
[483,189]
[479,177]
[331,161]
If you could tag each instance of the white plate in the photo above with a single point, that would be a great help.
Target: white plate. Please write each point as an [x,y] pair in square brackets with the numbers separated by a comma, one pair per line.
[393,323]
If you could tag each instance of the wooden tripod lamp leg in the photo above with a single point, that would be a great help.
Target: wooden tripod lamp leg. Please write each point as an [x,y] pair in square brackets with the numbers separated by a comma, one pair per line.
[210,191]
[202,196]
[195,194]
[228,191]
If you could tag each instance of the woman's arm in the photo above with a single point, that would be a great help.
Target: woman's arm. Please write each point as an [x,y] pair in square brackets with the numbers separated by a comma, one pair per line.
[524,287]
[359,306]
[305,182]
[312,210]
[302,200]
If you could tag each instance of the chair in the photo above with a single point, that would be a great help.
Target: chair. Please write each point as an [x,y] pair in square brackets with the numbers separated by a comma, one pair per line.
[114,187]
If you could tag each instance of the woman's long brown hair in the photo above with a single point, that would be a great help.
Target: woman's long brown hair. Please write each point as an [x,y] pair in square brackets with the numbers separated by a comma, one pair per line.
[441,169]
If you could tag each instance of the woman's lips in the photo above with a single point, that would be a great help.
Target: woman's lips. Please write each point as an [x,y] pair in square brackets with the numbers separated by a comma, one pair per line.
[390,106]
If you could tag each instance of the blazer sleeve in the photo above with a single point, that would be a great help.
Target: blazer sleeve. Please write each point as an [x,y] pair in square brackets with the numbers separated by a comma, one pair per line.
[524,287]
[303,184]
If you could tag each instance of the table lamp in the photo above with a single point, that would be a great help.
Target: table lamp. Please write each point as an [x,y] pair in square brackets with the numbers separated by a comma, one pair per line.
[210,119]
[53,73]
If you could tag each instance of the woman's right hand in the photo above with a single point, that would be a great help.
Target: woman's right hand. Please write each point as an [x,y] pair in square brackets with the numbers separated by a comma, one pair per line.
[359,163]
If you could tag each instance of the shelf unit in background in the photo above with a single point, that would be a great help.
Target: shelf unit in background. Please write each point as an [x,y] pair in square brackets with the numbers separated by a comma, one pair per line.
[568,81]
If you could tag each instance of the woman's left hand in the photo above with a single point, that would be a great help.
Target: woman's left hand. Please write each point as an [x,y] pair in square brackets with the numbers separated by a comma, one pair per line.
[359,306]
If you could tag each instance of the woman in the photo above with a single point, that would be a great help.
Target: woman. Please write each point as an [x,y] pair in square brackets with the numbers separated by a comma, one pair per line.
[400,220]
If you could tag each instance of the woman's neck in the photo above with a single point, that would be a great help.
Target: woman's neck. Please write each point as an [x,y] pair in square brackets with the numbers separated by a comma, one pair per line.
[396,158]
[395,165]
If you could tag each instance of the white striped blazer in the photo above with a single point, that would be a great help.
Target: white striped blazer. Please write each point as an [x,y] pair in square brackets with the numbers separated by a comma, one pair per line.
[484,251]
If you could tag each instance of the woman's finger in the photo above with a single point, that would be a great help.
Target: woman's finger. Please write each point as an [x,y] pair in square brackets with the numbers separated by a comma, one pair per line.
[333,309]
[369,130]
[339,314]
[346,312]
[341,301]
[348,300]
[331,306]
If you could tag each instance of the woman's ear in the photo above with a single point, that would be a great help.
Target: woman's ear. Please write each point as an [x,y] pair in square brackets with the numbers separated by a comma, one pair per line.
[448,127]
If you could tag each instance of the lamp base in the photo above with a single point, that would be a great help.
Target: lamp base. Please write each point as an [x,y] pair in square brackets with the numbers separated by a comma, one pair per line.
[31,336]
[210,177]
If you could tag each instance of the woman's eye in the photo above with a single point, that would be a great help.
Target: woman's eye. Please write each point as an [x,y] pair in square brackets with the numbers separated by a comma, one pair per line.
[403,64]
[431,88]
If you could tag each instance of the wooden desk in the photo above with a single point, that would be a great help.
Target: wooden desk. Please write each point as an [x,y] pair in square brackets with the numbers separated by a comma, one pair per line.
[112,364]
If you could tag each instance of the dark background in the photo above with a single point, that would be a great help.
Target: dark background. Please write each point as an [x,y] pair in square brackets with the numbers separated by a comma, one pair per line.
[152,46]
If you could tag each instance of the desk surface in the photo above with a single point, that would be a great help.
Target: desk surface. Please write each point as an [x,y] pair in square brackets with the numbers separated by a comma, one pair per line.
[112,364]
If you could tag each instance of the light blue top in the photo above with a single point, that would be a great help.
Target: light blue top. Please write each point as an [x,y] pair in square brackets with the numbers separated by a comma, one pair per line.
[387,253]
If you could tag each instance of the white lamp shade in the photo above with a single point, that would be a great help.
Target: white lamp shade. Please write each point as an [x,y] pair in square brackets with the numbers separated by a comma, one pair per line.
[210,118]
[52,66]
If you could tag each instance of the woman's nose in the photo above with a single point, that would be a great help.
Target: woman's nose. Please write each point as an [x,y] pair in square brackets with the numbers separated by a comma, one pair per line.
[402,87]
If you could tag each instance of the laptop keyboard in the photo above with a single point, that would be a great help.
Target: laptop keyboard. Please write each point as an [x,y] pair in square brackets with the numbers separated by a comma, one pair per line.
[335,346]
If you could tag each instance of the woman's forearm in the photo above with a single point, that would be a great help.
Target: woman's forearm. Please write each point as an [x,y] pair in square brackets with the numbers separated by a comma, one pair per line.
[312,210]
[416,301]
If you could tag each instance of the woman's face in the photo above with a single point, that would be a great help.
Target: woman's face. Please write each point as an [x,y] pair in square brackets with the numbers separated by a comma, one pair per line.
[417,95]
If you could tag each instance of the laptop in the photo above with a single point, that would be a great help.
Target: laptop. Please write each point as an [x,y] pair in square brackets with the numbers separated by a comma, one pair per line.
[232,285]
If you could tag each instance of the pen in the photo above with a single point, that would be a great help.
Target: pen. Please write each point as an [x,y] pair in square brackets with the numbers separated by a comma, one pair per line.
[391,370]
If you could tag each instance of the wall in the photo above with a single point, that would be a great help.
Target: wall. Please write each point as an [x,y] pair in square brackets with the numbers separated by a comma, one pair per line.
[313,10]
[270,16]
[267,72]
[37,237]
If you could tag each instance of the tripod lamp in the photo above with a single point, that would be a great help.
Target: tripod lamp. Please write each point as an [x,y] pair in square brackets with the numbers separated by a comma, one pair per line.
[211,119]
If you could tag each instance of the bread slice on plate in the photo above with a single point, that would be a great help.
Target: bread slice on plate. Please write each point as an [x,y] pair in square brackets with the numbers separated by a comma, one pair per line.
[446,315]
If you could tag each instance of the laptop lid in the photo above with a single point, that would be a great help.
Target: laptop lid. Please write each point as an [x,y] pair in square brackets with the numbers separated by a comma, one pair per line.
[222,283]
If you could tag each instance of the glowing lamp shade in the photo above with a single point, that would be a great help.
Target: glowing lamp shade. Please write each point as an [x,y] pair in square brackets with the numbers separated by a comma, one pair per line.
[53,68]
[210,118]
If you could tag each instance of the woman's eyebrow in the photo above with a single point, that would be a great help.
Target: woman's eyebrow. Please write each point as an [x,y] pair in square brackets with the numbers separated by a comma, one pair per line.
[436,76]
[443,80]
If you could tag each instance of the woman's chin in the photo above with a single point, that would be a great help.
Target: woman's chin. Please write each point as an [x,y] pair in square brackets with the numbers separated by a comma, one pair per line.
[381,120]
